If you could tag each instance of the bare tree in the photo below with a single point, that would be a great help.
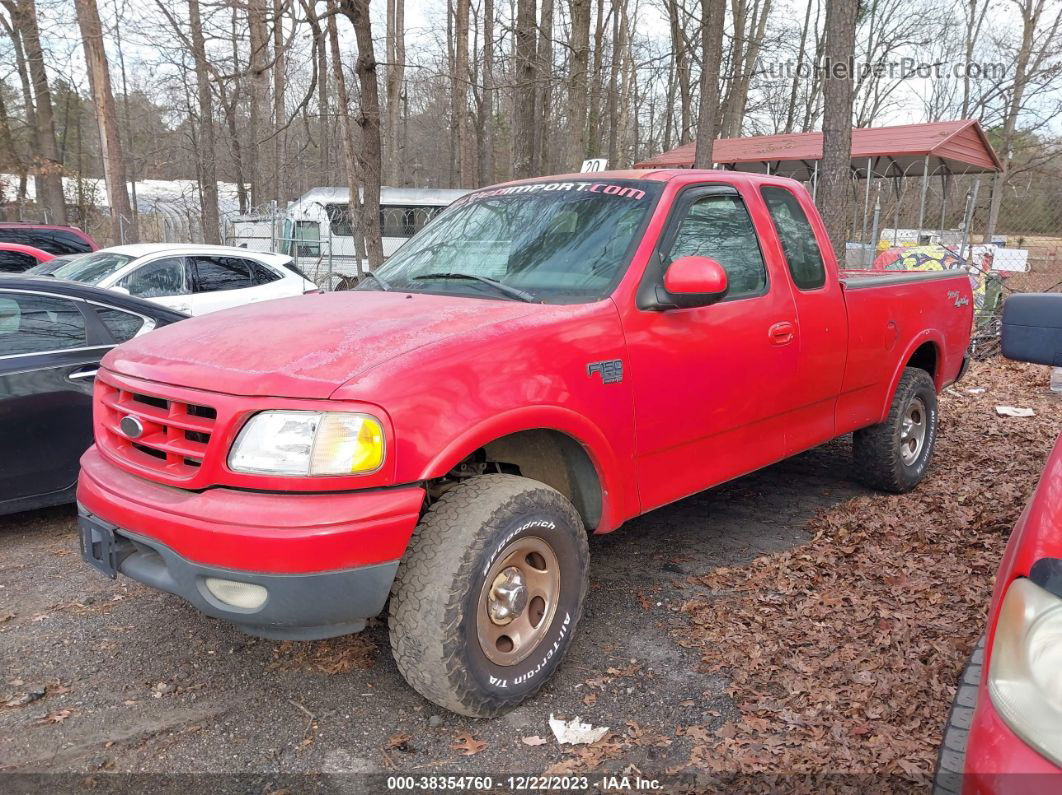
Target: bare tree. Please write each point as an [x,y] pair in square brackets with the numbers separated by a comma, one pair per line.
[357,11]
[834,169]
[88,18]
[712,15]
[459,92]
[486,119]
[579,45]
[524,121]
[48,171]
[206,152]
[396,67]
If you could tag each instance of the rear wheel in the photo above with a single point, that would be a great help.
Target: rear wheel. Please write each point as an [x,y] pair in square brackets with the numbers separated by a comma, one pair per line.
[487,599]
[894,455]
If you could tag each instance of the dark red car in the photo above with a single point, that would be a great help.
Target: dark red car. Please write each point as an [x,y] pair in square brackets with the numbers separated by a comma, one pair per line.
[1004,734]
[48,237]
[17,258]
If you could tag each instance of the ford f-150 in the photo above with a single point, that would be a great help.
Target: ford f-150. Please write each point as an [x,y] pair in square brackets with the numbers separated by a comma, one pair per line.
[545,360]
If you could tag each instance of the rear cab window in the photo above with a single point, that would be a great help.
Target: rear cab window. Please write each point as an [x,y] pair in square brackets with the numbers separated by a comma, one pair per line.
[801,248]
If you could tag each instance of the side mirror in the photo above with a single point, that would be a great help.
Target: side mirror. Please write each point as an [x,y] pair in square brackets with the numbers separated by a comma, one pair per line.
[695,281]
[121,290]
[1032,328]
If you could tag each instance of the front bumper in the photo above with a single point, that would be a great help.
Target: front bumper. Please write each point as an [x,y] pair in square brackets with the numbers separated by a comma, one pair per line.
[998,762]
[326,560]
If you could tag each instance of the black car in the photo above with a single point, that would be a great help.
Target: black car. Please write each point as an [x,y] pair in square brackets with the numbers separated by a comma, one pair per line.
[52,337]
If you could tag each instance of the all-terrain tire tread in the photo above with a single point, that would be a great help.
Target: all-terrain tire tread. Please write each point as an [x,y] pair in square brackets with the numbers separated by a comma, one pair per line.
[425,614]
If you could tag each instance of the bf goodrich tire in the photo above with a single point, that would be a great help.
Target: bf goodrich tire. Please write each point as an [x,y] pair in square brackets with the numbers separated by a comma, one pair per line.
[951,759]
[894,455]
[487,598]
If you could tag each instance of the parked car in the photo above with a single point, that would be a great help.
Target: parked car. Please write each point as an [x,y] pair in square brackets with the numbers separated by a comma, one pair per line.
[17,258]
[52,336]
[1004,733]
[48,237]
[546,359]
[191,279]
[52,265]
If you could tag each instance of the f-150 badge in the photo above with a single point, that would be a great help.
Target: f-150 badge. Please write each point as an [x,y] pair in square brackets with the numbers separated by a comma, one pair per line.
[611,371]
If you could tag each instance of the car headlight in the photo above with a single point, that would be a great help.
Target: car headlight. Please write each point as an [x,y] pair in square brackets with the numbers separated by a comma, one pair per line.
[309,443]
[1025,671]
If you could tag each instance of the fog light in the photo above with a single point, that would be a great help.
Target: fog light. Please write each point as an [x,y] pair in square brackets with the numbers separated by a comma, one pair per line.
[244,595]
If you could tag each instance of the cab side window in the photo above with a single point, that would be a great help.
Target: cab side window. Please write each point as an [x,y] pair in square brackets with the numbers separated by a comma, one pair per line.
[158,279]
[39,324]
[801,249]
[719,226]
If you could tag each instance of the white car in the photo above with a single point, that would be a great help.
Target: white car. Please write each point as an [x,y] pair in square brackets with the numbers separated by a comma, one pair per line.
[191,279]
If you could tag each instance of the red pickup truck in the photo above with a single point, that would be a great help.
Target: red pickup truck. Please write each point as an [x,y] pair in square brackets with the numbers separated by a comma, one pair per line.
[545,360]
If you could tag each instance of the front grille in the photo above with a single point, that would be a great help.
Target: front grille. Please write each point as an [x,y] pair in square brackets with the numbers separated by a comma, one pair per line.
[175,437]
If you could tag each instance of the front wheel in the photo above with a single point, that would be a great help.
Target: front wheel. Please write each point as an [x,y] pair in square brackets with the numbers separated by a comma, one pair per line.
[894,455]
[487,599]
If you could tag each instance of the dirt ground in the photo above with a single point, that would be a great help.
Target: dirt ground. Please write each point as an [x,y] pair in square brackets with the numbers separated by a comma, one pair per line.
[136,680]
[102,676]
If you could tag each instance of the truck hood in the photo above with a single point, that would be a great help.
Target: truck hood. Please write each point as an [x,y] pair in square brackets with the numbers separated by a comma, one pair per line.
[303,347]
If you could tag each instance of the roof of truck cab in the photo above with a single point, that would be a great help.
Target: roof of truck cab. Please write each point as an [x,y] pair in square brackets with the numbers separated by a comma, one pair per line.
[653,174]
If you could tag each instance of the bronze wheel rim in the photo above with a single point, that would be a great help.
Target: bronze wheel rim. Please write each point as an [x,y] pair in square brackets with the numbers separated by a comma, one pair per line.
[518,600]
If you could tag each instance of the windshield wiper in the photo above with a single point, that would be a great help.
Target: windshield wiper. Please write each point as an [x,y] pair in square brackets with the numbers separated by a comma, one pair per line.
[501,287]
[383,285]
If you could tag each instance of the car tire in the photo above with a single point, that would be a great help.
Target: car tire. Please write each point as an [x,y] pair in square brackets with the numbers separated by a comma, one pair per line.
[894,455]
[487,598]
[947,778]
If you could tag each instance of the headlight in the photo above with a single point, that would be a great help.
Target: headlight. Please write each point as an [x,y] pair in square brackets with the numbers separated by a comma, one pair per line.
[1025,672]
[309,443]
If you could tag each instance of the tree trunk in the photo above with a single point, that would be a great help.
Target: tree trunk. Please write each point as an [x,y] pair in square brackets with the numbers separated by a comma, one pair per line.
[258,67]
[357,11]
[713,14]
[350,154]
[524,121]
[543,111]
[396,70]
[107,120]
[486,137]
[278,181]
[206,152]
[48,174]
[790,114]
[834,169]
[577,83]
[459,93]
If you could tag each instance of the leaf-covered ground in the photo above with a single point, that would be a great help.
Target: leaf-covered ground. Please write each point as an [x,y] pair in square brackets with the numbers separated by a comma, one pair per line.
[843,653]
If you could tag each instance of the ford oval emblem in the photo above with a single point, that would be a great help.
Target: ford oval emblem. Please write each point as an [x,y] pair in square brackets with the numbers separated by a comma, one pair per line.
[131,426]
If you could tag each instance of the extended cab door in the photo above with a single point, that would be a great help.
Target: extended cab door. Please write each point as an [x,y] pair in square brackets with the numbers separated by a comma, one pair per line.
[822,319]
[711,384]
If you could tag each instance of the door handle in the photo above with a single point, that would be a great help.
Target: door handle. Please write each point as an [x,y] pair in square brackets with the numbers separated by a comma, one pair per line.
[781,333]
[87,372]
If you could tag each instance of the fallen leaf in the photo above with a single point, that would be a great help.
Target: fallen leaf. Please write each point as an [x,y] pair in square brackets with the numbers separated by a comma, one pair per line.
[533,740]
[468,745]
[56,717]
[400,742]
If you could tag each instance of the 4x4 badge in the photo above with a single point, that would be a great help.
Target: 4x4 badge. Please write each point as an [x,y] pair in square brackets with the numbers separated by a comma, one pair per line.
[611,371]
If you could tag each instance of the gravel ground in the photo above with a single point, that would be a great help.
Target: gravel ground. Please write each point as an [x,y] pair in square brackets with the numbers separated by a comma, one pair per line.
[137,681]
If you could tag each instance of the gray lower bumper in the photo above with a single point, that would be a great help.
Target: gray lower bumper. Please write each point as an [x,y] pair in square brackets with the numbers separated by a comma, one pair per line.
[298,607]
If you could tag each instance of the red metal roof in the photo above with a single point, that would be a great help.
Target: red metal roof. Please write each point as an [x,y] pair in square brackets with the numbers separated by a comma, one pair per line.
[961,146]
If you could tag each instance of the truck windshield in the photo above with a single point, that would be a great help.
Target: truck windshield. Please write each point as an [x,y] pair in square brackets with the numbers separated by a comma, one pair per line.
[555,242]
